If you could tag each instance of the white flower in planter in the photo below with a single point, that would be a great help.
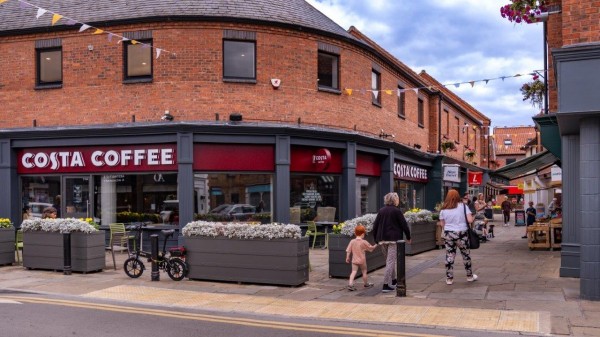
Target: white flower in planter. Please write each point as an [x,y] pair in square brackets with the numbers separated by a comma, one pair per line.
[418,215]
[241,230]
[365,220]
[67,225]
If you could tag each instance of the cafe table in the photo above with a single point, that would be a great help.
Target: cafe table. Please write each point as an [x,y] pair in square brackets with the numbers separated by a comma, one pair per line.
[328,225]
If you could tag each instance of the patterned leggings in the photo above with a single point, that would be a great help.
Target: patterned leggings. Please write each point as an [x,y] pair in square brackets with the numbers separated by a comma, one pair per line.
[389,251]
[453,240]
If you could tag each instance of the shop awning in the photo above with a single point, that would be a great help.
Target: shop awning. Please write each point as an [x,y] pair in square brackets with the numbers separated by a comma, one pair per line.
[527,166]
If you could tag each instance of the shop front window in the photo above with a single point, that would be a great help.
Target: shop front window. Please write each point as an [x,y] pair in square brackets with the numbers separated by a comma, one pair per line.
[233,197]
[411,194]
[312,196]
[39,192]
[367,195]
[150,198]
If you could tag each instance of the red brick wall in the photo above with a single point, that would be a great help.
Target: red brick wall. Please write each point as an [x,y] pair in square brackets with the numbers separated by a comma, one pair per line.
[580,21]
[190,84]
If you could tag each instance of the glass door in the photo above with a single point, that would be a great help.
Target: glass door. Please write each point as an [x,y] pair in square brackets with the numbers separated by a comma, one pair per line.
[77,202]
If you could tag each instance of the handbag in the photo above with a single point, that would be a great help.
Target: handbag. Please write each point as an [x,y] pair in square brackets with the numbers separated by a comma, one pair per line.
[473,242]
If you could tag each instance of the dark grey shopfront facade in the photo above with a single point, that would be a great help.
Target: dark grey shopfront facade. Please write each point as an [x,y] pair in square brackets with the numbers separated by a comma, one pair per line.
[355,158]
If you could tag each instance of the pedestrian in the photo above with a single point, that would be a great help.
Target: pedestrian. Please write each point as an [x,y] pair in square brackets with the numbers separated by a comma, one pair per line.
[454,219]
[27,213]
[506,207]
[389,227]
[357,248]
[530,217]
[49,213]
[552,207]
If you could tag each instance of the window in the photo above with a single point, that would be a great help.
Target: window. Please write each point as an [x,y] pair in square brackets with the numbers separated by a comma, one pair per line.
[49,67]
[138,60]
[421,117]
[239,60]
[367,192]
[328,71]
[376,87]
[508,142]
[457,120]
[447,122]
[401,97]
[308,193]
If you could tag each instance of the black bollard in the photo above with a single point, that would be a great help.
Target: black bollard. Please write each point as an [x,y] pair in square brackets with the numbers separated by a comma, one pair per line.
[155,275]
[401,269]
[67,253]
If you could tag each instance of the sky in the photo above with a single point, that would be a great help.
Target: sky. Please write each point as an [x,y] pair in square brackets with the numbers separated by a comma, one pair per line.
[454,41]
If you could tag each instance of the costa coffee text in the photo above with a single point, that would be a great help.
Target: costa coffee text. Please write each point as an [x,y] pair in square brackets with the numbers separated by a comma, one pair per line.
[111,158]
[410,172]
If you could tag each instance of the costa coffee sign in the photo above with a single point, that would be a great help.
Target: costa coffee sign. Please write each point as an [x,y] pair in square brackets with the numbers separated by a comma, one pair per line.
[410,172]
[321,159]
[133,158]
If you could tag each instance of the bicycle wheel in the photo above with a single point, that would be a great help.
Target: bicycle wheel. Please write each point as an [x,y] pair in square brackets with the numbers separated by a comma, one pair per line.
[176,269]
[133,267]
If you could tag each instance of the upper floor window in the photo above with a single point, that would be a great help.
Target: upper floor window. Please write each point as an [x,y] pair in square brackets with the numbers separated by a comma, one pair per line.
[508,142]
[48,63]
[239,60]
[138,60]
[421,111]
[328,71]
[401,97]
[457,120]
[376,87]
[447,122]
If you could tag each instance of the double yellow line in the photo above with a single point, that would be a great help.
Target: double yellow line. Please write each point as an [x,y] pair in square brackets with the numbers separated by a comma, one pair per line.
[216,318]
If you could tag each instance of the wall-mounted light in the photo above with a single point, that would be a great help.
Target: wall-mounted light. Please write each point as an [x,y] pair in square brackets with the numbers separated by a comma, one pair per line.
[167,116]
[384,135]
[417,146]
[235,117]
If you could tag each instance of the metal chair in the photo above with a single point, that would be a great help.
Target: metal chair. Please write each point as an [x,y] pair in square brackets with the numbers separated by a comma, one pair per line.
[119,240]
[19,245]
[312,230]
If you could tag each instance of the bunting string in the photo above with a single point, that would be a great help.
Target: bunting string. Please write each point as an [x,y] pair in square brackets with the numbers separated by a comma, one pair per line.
[56,17]
[376,93]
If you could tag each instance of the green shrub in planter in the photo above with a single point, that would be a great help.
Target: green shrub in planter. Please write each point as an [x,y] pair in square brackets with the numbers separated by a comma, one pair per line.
[7,242]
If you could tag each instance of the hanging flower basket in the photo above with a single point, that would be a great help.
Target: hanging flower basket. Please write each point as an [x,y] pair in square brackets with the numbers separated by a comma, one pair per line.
[470,154]
[519,11]
[448,145]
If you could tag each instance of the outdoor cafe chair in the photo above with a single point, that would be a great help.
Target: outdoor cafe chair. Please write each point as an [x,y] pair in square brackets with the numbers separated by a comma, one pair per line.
[312,229]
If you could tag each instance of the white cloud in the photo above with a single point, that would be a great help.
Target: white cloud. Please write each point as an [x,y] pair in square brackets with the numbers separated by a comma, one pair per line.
[454,41]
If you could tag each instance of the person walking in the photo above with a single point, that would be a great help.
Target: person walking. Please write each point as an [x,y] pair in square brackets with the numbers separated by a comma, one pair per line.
[531,212]
[506,207]
[27,213]
[455,216]
[357,248]
[389,227]
[49,213]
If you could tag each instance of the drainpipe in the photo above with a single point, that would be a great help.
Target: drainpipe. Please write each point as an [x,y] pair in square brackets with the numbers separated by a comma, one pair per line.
[441,98]
[546,68]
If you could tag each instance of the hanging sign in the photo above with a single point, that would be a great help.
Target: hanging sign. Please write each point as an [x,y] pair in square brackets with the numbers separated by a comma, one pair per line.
[555,176]
[475,178]
[451,173]
[321,159]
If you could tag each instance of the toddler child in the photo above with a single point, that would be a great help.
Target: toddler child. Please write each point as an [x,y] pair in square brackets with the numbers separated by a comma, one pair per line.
[357,248]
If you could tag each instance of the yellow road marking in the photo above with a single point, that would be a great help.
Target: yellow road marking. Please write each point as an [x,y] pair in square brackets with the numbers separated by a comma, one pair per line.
[216,318]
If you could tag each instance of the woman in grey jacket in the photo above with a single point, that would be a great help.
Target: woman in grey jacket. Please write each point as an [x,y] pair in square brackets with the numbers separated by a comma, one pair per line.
[388,228]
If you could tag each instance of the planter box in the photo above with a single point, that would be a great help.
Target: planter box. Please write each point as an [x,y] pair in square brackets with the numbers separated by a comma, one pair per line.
[423,235]
[278,261]
[44,250]
[337,255]
[7,246]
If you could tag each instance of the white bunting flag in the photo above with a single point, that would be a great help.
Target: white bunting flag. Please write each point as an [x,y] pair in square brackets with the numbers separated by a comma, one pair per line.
[375,93]
[84,27]
[40,12]
[158,50]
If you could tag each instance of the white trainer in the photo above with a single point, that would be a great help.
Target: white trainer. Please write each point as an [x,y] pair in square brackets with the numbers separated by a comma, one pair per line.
[472,278]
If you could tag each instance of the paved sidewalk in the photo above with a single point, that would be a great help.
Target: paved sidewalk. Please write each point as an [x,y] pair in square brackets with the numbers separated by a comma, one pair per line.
[518,290]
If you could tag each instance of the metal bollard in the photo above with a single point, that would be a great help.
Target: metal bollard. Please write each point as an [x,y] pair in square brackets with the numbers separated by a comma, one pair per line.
[401,268]
[155,275]
[67,253]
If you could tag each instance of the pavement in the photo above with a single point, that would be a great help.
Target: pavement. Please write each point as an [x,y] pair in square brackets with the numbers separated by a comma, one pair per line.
[518,291]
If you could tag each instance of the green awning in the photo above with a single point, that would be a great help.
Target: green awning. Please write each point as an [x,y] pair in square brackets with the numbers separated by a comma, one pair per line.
[550,133]
[527,166]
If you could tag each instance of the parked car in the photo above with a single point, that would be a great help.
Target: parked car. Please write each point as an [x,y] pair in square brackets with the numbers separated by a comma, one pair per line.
[235,211]
[37,208]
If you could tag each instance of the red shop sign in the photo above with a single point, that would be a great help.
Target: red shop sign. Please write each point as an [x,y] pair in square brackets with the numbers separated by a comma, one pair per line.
[128,158]
[475,178]
[321,159]
[315,160]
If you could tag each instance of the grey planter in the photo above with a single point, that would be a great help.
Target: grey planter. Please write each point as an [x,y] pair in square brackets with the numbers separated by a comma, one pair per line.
[44,250]
[7,246]
[423,237]
[337,255]
[278,261]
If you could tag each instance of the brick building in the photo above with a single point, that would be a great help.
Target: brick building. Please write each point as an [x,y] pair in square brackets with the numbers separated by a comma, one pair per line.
[243,103]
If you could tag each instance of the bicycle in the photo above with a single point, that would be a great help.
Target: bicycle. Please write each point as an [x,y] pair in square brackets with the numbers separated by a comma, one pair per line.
[173,261]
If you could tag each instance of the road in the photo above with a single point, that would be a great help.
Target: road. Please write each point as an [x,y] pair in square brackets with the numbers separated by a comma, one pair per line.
[37,315]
